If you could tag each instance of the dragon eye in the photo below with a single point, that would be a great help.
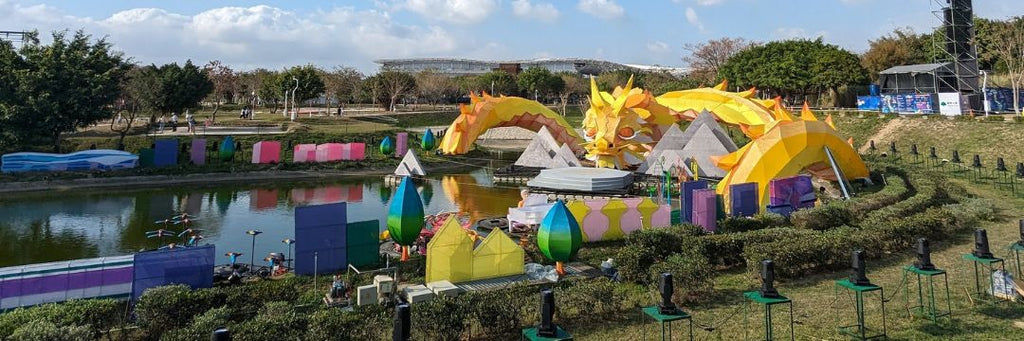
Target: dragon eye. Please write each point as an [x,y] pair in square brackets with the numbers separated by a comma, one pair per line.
[627,133]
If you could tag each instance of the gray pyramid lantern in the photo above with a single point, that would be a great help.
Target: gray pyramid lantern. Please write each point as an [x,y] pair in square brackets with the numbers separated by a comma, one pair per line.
[1001,165]
[977,161]
[956,157]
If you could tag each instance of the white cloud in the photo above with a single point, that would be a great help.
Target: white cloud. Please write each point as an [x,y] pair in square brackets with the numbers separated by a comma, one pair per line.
[705,2]
[658,47]
[540,11]
[247,37]
[453,11]
[693,19]
[604,9]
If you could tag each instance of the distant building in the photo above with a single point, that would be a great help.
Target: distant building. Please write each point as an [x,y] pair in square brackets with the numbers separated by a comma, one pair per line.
[467,67]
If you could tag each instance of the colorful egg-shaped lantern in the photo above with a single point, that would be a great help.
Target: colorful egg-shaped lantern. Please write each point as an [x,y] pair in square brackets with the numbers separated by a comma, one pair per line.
[559,236]
[387,146]
[405,216]
[227,149]
[429,142]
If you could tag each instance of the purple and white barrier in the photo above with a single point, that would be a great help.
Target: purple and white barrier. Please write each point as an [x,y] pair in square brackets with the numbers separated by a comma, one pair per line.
[34,284]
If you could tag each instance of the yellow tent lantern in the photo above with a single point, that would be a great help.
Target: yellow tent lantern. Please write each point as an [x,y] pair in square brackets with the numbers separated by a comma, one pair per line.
[452,257]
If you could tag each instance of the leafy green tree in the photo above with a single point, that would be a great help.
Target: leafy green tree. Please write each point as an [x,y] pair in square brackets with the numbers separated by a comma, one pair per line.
[496,83]
[341,83]
[388,87]
[901,47]
[794,67]
[310,84]
[270,90]
[55,89]
[171,88]
[539,82]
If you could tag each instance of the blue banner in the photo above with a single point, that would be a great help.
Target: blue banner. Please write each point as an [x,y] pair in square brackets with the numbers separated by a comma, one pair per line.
[869,103]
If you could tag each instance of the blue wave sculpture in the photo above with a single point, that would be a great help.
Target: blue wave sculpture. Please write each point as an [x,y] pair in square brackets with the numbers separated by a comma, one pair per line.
[99,159]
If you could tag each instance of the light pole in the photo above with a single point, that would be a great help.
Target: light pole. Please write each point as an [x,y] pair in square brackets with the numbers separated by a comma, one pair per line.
[492,88]
[294,111]
[252,252]
[289,241]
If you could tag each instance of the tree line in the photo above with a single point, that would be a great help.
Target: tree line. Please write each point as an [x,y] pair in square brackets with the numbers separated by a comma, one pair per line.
[798,69]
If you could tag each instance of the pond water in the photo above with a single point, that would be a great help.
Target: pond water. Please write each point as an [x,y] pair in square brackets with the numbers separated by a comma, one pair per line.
[76,225]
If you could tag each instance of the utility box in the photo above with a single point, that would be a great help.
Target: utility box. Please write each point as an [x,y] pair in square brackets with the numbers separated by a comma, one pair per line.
[417,293]
[445,288]
[383,283]
[366,294]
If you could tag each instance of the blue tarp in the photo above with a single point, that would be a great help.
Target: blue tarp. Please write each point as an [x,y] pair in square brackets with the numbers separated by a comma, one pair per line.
[192,266]
[686,198]
[165,153]
[869,103]
[320,236]
[743,199]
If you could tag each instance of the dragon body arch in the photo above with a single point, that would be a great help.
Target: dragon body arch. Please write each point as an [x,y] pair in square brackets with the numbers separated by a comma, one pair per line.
[621,126]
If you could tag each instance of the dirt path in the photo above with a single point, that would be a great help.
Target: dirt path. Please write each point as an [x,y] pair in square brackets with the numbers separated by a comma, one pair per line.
[890,128]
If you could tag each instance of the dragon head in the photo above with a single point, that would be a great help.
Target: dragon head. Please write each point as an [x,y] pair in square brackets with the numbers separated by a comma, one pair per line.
[620,126]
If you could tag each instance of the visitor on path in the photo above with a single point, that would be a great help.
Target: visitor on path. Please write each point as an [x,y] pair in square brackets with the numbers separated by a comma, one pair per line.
[191,122]
[174,122]
[242,114]
[160,122]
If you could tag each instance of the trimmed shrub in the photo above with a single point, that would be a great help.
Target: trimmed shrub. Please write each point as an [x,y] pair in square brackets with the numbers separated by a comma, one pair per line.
[41,330]
[727,249]
[168,307]
[692,275]
[364,323]
[97,315]
[825,217]
[757,222]
[201,326]
[442,318]
[583,298]
[503,312]
[275,321]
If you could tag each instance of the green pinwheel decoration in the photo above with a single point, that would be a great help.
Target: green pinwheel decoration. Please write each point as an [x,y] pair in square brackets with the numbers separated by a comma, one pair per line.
[429,142]
[405,216]
[387,146]
[559,236]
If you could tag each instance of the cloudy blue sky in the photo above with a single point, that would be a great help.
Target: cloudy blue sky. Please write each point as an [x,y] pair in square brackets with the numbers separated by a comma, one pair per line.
[274,34]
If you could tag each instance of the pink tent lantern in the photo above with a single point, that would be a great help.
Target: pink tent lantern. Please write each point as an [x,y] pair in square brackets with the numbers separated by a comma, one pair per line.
[304,153]
[357,151]
[266,152]
[329,152]
[402,144]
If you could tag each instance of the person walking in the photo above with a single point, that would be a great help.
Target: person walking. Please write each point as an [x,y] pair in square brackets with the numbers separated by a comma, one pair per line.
[161,121]
[191,120]
[174,122]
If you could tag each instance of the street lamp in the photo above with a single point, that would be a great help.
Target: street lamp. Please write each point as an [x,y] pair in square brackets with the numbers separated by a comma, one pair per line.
[252,252]
[289,241]
[294,111]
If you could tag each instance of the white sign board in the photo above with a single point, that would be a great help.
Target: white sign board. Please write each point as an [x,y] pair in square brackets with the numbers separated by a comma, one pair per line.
[949,103]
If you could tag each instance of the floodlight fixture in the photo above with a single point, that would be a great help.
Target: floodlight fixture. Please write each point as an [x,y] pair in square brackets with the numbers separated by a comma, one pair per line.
[859,274]
[768,279]
[981,249]
[924,255]
[547,327]
[665,286]
[402,323]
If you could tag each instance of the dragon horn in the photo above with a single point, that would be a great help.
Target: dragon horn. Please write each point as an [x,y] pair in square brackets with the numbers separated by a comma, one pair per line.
[629,85]
[721,86]
[595,95]
[806,114]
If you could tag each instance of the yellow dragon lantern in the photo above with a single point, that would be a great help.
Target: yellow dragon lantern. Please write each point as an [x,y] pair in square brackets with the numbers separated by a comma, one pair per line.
[620,127]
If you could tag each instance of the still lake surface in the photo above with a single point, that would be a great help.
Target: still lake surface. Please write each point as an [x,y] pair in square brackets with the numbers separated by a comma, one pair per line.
[72,225]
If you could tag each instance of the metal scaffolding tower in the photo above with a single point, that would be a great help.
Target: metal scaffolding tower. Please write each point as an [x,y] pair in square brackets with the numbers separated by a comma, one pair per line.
[956,42]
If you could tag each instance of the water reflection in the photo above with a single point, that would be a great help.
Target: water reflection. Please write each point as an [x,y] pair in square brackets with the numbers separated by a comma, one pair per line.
[93,224]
